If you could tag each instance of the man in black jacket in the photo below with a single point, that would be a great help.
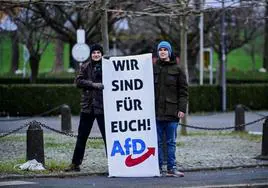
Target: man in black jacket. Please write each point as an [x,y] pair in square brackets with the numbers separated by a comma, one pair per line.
[171,95]
[89,80]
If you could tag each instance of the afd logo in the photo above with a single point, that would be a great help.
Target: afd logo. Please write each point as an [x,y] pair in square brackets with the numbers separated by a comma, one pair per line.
[132,146]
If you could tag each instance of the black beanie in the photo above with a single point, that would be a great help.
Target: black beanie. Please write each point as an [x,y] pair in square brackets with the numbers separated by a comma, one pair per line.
[94,47]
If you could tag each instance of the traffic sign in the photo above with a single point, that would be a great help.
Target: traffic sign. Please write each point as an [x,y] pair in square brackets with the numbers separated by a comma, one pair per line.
[80,52]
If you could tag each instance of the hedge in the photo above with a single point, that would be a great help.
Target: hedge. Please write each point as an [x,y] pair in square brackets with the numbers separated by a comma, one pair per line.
[70,80]
[208,98]
[17,80]
[36,99]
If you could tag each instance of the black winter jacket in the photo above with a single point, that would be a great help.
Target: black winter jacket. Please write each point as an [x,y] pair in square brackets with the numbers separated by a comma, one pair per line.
[91,98]
[171,90]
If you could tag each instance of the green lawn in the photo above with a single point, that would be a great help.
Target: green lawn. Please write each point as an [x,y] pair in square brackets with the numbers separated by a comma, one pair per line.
[46,63]
[5,55]
[239,60]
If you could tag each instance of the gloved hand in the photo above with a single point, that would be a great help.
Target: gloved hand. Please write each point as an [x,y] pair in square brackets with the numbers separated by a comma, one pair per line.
[98,86]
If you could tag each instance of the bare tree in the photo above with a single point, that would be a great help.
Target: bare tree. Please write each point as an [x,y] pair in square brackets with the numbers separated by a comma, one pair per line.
[32,30]
[265,54]
[253,48]
[66,17]
[15,51]
[242,25]
[148,21]
[159,20]
[14,43]
[59,49]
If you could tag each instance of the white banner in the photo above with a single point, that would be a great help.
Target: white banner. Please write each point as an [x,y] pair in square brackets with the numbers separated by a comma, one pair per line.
[129,112]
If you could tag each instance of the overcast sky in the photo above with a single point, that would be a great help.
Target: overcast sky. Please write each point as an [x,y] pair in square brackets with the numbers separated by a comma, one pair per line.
[217,3]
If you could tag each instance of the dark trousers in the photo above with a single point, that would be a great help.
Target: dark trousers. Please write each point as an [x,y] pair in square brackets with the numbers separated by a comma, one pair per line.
[84,129]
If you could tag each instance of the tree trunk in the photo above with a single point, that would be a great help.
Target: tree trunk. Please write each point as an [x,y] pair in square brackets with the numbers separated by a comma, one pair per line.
[72,63]
[252,54]
[15,52]
[265,54]
[104,28]
[183,60]
[59,49]
[34,65]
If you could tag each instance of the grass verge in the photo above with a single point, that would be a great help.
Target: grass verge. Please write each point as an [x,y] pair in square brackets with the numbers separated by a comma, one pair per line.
[238,134]
[64,143]
[12,167]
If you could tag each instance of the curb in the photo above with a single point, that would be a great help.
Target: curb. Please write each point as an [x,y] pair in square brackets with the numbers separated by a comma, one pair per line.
[232,185]
[78,174]
[224,167]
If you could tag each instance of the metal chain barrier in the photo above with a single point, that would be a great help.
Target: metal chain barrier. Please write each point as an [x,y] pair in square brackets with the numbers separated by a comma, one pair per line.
[38,115]
[251,111]
[47,127]
[13,131]
[72,135]
[63,133]
[224,128]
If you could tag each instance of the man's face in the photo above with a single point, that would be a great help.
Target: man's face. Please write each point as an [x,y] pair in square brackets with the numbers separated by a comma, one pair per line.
[96,55]
[163,54]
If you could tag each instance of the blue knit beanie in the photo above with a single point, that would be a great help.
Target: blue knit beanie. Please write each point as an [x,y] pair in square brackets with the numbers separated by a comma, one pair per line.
[165,44]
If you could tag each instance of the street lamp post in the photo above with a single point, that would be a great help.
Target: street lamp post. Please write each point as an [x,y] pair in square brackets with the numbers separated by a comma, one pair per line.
[223,59]
[201,51]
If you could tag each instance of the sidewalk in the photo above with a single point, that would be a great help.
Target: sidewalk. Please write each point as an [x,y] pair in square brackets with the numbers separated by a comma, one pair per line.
[201,151]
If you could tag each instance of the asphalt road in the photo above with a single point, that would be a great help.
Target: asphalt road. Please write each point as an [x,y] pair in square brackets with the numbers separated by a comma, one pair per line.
[211,120]
[244,177]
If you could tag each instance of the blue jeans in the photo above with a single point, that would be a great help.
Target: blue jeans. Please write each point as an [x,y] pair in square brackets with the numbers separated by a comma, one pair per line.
[169,128]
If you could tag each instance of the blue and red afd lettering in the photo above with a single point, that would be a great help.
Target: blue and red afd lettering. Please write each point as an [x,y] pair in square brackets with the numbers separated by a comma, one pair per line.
[134,146]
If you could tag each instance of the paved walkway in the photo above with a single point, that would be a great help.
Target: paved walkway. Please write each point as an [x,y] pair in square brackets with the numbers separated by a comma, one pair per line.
[209,150]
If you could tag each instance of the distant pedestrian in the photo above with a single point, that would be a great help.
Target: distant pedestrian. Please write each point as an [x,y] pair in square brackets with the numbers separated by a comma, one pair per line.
[89,80]
[171,95]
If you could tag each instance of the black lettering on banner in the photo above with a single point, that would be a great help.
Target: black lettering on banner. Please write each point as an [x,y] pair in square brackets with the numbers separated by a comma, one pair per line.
[114,126]
[128,104]
[123,126]
[127,85]
[134,63]
[131,125]
[123,65]
[114,83]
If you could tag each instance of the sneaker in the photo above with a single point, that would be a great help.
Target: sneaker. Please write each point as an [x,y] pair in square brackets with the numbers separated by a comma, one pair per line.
[73,167]
[174,173]
[161,172]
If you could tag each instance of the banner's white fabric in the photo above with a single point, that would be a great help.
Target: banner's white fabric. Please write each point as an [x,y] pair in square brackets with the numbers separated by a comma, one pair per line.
[130,116]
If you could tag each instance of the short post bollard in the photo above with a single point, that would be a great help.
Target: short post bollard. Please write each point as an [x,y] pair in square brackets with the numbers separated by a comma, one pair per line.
[35,143]
[239,118]
[264,150]
[66,125]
